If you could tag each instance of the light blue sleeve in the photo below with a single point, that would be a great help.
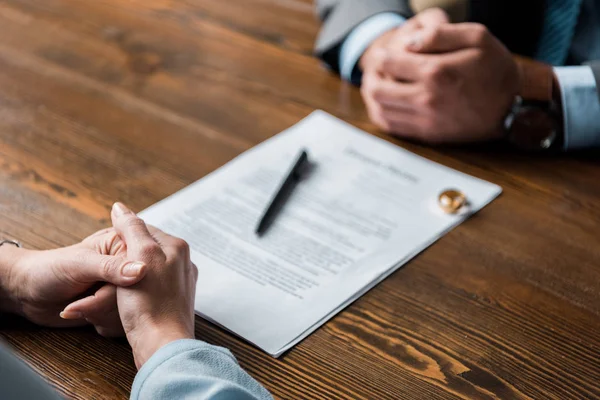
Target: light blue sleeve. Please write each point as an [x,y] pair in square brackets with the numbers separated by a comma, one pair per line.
[191,369]
[581,106]
[361,37]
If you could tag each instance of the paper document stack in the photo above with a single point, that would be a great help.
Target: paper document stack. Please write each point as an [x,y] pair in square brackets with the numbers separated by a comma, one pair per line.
[366,208]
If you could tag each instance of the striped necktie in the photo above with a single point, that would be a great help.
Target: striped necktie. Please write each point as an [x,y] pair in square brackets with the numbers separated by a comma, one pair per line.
[558,31]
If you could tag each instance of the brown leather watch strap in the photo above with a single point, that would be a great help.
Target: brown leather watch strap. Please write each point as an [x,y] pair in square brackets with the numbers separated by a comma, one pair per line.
[538,122]
[537,80]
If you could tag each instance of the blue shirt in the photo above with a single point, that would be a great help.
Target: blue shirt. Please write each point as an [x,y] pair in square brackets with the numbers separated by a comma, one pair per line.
[191,369]
[580,100]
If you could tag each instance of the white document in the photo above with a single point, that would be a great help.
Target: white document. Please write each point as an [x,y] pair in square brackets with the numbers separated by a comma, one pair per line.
[366,208]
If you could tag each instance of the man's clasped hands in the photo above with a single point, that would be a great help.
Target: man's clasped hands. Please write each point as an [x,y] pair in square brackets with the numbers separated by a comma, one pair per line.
[437,82]
[132,280]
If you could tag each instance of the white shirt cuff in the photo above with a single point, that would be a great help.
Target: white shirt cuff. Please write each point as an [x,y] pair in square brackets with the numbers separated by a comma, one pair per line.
[581,106]
[361,37]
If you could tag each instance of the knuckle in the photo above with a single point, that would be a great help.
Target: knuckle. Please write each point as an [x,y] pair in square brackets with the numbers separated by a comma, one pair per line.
[368,86]
[133,222]
[382,123]
[110,243]
[440,74]
[435,72]
[384,62]
[438,13]
[431,71]
[380,62]
[111,237]
[371,106]
[150,249]
[378,92]
[428,100]
[194,271]
[110,265]
[433,36]
[479,33]
[182,247]
[365,90]
[376,116]
[478,57]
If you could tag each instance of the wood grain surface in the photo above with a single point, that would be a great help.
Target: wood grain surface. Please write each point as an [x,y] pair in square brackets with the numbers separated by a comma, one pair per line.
[133,100]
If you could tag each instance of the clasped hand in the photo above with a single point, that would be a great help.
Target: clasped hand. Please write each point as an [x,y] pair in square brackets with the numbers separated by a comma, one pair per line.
[437,82]
[131,279]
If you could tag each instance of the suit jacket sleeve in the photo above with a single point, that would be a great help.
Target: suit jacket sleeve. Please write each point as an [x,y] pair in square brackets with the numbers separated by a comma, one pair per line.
[341,16]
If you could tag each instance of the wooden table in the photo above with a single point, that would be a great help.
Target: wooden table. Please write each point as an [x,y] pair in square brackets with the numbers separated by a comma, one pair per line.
[132,100]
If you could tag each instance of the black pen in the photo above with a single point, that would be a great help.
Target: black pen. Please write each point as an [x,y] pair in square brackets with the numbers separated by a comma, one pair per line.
[283,193]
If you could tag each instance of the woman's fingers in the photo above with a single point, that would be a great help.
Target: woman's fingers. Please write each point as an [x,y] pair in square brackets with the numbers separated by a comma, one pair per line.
[104,299]
[99,310]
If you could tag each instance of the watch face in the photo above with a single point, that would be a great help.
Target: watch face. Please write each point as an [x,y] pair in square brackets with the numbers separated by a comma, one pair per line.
[533,128]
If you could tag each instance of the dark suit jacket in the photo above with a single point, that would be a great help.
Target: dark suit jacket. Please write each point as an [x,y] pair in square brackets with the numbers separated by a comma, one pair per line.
[517,23]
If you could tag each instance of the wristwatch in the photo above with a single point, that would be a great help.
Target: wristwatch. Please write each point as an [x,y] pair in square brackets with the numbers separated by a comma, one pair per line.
[535,121]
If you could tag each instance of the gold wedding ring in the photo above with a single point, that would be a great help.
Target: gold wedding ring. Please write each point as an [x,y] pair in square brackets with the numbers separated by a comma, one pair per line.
[452,201]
